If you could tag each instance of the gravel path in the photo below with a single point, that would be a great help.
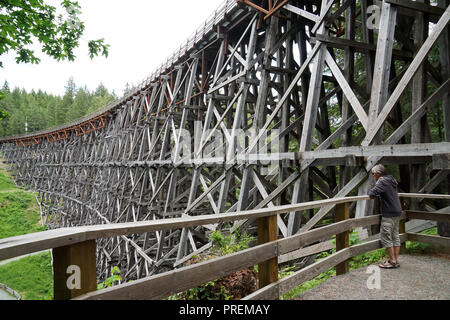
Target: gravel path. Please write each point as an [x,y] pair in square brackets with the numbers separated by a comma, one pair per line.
[420,277]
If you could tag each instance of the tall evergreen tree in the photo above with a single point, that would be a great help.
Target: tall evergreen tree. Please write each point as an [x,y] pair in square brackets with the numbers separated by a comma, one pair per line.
[67,102]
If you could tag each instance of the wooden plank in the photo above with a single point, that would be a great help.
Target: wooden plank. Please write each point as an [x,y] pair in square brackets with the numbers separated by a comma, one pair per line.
[426,215]
[267,232]
[342,239]
[418,113]
[326,7]
[444,55]
[407,150]
[347,90]
[358,46]
[21,245]
[303,239]
[306,252]
[409,74]
[302,13]
[74,270]
[434,182]
[163,285]
[429,239]
[36,242]
[290,282]
[421,196]
[383,58]
[441,161]
[414,5]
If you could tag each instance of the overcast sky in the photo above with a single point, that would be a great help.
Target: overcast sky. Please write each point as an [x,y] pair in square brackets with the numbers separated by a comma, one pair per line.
[142,35]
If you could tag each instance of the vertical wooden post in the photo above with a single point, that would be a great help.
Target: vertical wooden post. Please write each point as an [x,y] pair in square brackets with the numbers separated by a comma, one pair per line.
[267,232]
[74,270]
[402,224]
[342,239]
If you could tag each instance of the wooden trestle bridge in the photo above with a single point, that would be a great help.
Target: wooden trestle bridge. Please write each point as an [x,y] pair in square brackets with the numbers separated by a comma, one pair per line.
[270,118]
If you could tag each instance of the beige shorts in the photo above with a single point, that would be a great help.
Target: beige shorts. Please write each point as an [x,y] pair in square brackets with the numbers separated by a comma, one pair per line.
[389,234]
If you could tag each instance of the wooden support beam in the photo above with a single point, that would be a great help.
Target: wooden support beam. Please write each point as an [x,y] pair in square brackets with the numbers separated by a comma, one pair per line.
[429,239]
[407,77]
[267,232]
[426,215]
[74,270]
[418,6]
[441,161]
[342,239]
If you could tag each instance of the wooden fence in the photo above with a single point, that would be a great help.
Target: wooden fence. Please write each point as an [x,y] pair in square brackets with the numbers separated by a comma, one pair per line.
[75,247]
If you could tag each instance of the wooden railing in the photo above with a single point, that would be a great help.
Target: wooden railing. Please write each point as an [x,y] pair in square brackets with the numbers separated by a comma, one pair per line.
[75,248]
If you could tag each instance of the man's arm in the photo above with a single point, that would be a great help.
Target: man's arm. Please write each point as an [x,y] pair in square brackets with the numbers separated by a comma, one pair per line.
[377,190]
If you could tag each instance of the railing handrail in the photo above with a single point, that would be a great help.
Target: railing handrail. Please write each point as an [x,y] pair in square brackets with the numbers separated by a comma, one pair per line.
[77,246]
[163,285]
[36,242]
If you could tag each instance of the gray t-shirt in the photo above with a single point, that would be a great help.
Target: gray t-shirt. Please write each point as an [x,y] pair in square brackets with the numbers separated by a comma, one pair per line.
[386,189]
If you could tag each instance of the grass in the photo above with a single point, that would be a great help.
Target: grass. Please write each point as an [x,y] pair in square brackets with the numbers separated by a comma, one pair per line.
[6,184]
[31,277]
[18,214]
[419,247]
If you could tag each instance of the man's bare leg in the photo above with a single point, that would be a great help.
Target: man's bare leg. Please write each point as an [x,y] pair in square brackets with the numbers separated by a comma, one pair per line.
[391,253]
[396,254]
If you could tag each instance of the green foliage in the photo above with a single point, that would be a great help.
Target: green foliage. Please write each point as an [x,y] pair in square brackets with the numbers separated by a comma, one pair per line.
[368,258]
[111,281]
[419,247]
[222,245]
[23,22]
[31,277]
[227,244]
[5,183]
[208,291]
[41,110]
[308,285]
[3,113]
[17,216]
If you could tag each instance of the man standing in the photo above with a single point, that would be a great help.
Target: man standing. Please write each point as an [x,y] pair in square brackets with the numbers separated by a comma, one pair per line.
[391,210]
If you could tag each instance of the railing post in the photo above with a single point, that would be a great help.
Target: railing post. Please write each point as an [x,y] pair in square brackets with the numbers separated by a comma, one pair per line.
[74,270]
[267,232]
[342,239]
[402,224]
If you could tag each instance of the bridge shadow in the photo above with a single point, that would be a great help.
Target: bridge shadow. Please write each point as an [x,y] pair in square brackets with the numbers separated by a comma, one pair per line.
[420,277]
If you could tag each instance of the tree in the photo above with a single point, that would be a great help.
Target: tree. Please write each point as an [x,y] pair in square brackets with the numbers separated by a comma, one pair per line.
[3,113]
[67,102]
[22,22]
[80,105]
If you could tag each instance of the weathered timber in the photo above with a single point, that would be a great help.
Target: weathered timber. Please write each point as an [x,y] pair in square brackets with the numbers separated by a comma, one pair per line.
[254,111]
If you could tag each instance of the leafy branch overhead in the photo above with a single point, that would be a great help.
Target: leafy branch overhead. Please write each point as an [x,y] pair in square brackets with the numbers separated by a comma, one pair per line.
[22,22]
